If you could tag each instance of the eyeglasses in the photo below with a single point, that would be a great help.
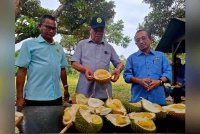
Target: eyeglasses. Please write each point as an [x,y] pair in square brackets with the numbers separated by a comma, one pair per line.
[98,29]
[143,38]
[49,27]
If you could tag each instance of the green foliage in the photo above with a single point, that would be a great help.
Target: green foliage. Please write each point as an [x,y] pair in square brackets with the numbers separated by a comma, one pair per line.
[32,9]
[115,35]
[27,26]
[162,11]
[16,55]
[73,20]
[70,69]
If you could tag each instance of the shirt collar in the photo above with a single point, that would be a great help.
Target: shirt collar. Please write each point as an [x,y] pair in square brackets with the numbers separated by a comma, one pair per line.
[139,52]
[90,40]
[41,39]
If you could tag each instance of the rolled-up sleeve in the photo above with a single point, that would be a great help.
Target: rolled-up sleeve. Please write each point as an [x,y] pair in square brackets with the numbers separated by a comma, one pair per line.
[167,69]
[77,53]
[24,57]
[128,71]
[63,60]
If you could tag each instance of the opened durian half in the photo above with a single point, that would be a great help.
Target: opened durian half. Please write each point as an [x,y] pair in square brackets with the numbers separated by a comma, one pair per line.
[79,98]
[176,111]
[102,76]
[118,120]
[87,108]
[143,125]
[95,102]
[86,122]
[142,115]
[132,107]
[154,108]
[116,106]
[70,114]
[103,110]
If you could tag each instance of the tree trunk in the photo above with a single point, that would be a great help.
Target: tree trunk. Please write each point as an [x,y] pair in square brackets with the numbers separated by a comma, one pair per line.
[59,10]
[18,7]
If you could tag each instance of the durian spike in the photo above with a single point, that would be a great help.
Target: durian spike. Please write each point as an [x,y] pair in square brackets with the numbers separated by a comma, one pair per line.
[65,128]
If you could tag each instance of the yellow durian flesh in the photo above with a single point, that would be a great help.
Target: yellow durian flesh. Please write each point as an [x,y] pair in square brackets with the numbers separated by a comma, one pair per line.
[101,74]
[142,115]
[116,106]
[146,124]
[96,119]
[118,119]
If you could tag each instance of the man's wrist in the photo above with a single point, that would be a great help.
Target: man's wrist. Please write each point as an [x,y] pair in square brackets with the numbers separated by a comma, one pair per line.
[65,86]
[20,98]
[161,82]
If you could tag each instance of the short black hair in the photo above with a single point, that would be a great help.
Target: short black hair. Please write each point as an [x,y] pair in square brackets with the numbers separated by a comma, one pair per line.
[46,16]
[148,33]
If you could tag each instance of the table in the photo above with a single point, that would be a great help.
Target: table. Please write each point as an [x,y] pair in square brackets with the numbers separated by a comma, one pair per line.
[42,119]
[48,119]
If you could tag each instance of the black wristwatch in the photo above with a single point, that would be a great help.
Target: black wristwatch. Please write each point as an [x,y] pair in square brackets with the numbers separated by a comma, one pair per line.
[161,83]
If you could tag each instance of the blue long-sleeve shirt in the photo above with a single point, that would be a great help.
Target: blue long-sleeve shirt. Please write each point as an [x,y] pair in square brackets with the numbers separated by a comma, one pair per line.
[154,66]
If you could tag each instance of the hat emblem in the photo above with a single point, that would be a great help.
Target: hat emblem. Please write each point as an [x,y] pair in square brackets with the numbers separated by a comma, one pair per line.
[99,20]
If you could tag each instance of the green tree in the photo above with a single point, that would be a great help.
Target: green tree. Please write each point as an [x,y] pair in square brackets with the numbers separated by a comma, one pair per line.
[162,11]
[73,18]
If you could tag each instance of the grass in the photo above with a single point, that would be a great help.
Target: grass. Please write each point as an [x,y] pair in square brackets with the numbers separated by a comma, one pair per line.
[120,90]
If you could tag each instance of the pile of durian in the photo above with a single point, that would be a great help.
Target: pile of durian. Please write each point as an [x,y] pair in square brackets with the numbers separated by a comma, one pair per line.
[87,114]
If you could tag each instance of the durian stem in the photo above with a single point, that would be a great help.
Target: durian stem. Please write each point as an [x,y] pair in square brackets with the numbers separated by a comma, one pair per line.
[107,93]
[91,95]
[65,128]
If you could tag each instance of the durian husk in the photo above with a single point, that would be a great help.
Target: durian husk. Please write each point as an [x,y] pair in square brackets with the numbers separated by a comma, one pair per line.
[118,120]
[154,108]
[143,126]
[87,108]
[79,98]
[176,111]
[102,110]
[70,114]
[132,107]
[116,106]
[102,76]
[86,122]
[95,102]
[142,115]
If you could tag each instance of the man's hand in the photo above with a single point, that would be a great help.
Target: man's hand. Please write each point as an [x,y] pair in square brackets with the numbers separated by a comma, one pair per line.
[89,74]
[20,102]
[145,82]
[153,84]
[115,75]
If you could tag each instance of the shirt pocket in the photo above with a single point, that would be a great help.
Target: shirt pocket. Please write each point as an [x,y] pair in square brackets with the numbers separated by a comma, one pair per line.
[156,67]
[105,58]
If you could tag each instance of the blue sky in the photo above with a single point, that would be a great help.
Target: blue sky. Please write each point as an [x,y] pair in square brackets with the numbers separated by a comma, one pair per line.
[132,12]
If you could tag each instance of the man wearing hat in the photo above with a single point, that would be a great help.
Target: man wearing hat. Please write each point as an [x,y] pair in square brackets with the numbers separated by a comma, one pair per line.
[92,54]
